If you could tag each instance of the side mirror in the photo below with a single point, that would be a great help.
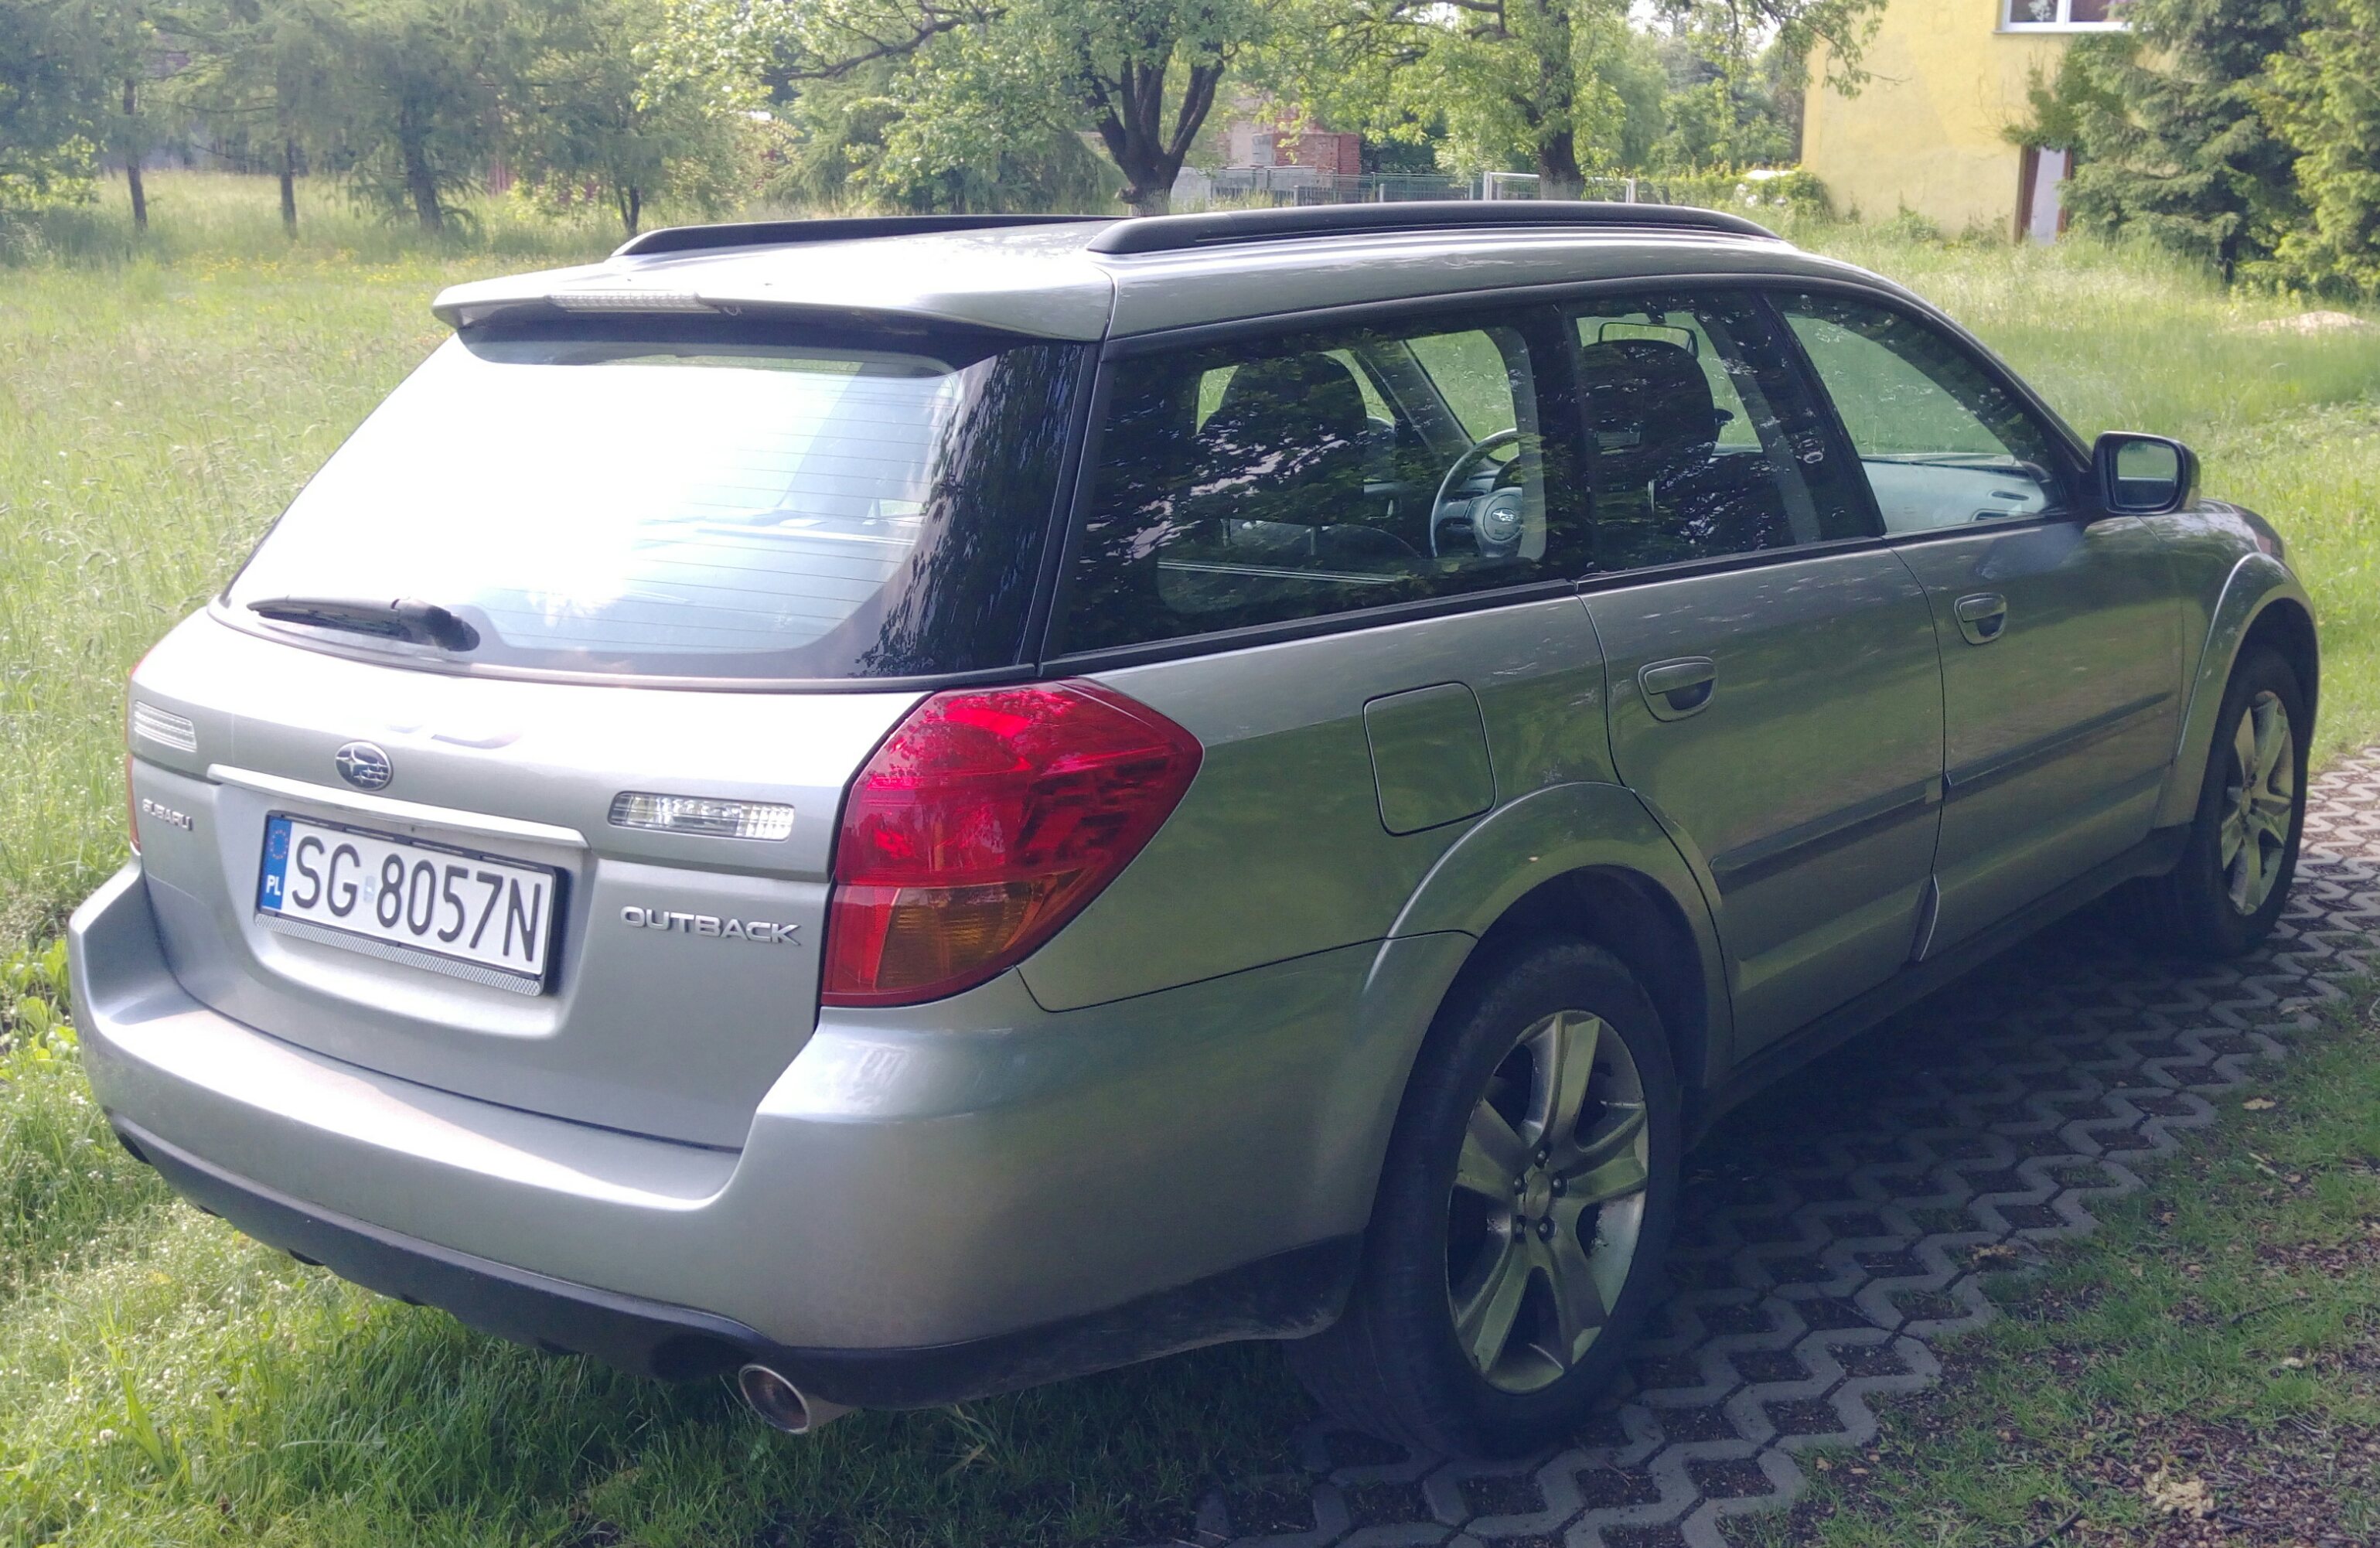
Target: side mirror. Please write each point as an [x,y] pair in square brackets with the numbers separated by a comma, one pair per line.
[2142,475]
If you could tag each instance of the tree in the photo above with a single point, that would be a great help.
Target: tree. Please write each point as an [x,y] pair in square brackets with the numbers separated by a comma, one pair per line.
[2168,137]
[72,87]
[854,137]
[1140,75]
[635,100]
[2324,97]
[263,74]
[1558,85]
[420,110]
[1734,92]
[50,110]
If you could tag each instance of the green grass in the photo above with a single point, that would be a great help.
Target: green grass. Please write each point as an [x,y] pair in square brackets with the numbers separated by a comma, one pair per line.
[2236,1299]
[162,1380]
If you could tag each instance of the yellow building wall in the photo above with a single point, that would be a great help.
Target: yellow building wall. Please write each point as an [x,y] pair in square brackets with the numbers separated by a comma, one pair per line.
[1928,130]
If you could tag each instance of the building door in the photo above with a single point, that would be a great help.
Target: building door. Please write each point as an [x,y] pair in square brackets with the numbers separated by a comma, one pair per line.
[2041,193]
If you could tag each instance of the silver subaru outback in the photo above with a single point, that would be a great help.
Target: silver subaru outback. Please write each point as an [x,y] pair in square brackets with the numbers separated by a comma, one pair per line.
[908,808]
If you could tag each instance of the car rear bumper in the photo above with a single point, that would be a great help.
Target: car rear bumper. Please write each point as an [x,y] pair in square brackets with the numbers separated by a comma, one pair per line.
[930,1204]
[1289,1292]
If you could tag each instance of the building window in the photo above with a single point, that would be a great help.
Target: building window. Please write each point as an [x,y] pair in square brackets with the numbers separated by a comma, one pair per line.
[2068,15]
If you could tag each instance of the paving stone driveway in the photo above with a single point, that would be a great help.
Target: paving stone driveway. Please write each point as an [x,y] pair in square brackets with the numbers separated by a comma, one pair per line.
[1829,1231]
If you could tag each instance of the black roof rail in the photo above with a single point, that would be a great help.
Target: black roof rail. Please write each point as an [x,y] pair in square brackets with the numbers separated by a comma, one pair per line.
[774,233]
[1225,227]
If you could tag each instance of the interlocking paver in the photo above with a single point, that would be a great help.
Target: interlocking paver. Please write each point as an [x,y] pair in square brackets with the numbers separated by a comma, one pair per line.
[1829,1232]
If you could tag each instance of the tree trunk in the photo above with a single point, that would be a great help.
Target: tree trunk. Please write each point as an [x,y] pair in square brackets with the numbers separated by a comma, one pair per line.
[632,207]
[1557,172]
[420,182]
[132,148]
[289,187]
[1130,124]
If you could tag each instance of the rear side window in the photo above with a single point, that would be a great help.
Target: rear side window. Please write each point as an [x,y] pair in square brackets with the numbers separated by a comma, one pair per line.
[704,501]
[1941,442]
[1705,444]
[1295,476]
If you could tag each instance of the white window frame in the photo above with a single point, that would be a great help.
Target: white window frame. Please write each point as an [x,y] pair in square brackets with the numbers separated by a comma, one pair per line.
[2008,23]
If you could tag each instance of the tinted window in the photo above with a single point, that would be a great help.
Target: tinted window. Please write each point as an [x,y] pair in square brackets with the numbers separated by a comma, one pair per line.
[1291,478]
[1941,441]
[707,501]
[1703,444]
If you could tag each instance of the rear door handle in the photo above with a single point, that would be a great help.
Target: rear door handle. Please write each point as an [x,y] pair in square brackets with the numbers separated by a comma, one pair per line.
[1982,616]
[1676,689]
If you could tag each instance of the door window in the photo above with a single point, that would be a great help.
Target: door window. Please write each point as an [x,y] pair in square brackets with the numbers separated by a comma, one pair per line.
[1289,478]
[1704,444]
[1942,442]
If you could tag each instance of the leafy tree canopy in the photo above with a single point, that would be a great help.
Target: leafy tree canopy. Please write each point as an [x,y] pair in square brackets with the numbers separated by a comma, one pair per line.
[2165,120]
[1139,75]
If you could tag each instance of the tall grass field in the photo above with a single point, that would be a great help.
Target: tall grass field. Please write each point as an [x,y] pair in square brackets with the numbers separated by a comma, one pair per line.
[163,1380]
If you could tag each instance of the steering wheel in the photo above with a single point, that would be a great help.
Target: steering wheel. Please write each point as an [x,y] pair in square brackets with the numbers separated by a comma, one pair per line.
[1459,474]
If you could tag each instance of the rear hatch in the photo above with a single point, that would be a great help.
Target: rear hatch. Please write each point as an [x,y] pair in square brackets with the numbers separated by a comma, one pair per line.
[511,763]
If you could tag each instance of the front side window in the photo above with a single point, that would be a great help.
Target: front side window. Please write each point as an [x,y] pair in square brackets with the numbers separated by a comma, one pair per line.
[1941,441]
[1704,445]
[710,499]
[1295,476]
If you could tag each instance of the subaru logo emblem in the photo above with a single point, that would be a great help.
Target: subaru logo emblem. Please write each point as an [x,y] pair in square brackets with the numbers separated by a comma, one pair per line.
[365,766]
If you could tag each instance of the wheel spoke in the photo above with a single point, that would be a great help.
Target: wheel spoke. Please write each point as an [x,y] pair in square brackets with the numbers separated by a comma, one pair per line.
[2248,878]
[1615,1131]
[1493,1156]
[2273,825]
[1565,1053]
[2243,750]
[1617,1177]
[2271,727]
[1484,1309]
[2229,837]
[1578,1300]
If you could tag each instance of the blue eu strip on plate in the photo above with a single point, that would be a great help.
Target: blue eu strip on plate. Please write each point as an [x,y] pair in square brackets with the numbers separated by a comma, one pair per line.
[276,861]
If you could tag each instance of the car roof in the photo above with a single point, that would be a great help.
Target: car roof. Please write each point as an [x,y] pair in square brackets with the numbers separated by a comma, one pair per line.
[1083,278]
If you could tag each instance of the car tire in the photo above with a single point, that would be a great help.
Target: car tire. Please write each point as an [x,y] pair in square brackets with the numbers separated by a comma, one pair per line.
[2224,894]
[1487,1185]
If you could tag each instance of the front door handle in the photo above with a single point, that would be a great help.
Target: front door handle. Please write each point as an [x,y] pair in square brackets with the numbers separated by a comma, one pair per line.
[1982,616]
[1674,689]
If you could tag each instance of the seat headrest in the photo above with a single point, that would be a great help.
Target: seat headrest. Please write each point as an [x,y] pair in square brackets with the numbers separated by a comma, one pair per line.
[1307,397]
[1650,405]
[1283,425]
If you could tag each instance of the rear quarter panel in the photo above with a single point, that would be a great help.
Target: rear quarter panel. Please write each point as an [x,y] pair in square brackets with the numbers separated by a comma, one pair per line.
[1280,849]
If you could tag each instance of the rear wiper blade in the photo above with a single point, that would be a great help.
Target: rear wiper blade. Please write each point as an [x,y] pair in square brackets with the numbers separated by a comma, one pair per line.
[414,622]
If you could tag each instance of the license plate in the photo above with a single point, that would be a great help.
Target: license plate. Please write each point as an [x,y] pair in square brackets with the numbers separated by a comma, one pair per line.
[452,911]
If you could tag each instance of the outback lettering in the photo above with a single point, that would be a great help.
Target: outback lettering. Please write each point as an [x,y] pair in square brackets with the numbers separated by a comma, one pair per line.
[764,930]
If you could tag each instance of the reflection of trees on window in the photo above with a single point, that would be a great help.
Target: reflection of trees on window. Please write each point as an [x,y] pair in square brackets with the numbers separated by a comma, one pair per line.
[1703,447]
[979,550]
[1292,477]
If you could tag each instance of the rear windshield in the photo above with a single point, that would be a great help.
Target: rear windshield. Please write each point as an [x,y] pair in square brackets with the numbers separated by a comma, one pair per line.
[709,502]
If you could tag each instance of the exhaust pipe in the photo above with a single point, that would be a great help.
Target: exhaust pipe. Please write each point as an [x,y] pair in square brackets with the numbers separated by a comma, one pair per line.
[782,1405]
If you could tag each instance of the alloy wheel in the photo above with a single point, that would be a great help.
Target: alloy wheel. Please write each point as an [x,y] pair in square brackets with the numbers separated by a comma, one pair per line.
[1548,1204]
[2260,800]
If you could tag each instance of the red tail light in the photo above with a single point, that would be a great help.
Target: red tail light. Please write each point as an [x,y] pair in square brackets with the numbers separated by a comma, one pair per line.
[987,821]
